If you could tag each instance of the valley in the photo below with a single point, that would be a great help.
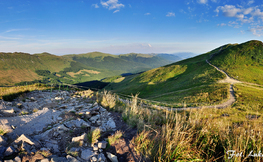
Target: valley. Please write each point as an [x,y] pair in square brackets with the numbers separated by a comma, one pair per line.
[191,110]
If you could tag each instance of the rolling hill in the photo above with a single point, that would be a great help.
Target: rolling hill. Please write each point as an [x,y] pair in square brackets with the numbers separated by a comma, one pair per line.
[193,80]
[21,68]
[242,61]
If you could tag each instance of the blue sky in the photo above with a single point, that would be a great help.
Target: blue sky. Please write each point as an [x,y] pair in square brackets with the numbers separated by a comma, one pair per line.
[125,26]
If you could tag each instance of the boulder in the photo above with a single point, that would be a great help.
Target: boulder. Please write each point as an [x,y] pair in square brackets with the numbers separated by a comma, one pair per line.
[10,151]
[86,154]
[17,159]
[71,159]
[112,157]
[3,141]
[102,144]
[81,139]
[101,157]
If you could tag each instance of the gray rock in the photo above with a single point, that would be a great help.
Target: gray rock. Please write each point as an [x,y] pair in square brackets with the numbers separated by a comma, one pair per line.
[71,159]
[112,157]
[19,105]
[76,123]
[102,144]
[2,151]
[111,124]
[52,145]
[8,161]
[101,157]
[94,159]
[58,159]
[10,151]
[24,138]
[94,118]
[44,160]
[80,139]
[2,141]
[17,159]
[95,148]
[86,154]
[26,147]
[74,149]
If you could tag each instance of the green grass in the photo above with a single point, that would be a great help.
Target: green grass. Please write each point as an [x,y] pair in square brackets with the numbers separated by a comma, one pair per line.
[21,68]
[196,96]
[197,134]
[181,75]
[243,62]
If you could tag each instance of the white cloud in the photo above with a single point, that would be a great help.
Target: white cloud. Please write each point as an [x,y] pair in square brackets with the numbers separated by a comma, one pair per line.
[248,10]
[202,1]
[228,10]
[170,14]
[149,45]
[214,1]
[257,13]
[250,2]
[116,11]
[147,13]
[245,15]
[112,4]
[258,31]
[13,30]
[222,24]
[95,5]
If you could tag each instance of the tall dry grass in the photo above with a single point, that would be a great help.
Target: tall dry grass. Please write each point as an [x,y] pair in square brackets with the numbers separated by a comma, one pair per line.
[190,136]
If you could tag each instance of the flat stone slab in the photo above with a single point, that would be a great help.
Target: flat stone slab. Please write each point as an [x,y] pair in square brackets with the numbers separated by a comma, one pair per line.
[29,124]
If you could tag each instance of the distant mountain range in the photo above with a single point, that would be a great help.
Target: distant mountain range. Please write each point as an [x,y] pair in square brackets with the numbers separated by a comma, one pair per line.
[21,68]
[241,61]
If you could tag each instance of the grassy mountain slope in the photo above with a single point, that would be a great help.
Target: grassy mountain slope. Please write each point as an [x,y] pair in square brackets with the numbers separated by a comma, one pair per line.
[128,63]
[184,74]
[243,62]
[22,67]
[18,67]
[194,76]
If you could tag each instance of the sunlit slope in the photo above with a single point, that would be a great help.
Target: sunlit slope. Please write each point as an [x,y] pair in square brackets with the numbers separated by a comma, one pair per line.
[128,63]
[18,67]
[243,61]
[184,74]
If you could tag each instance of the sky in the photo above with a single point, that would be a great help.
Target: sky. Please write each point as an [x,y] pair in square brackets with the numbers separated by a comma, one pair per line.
[124,26]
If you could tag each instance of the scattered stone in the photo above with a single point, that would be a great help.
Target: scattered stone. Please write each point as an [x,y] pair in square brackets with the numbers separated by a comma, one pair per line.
[44,160]
[24,138]
[112,157]
[58,98]
[111,124]
[80,139]
[94,159]
[26,147]
[76,123]
[2,151]
[2,141]
[71,159]
[10,151]
[225,115]
[58,159]
[101,157]
[17,159]
[86,154]
[19,105]
[94,118]
[102,144]
[95,148]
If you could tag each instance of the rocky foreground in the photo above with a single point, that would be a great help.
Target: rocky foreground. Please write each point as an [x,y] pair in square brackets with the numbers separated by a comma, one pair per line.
[44,126]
